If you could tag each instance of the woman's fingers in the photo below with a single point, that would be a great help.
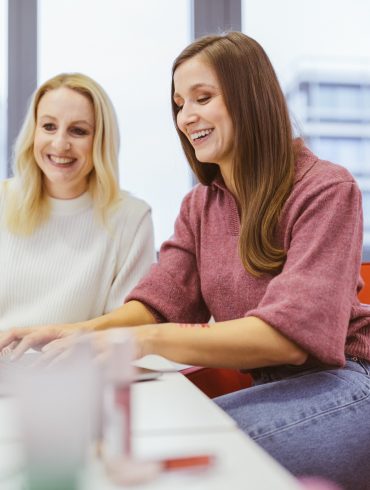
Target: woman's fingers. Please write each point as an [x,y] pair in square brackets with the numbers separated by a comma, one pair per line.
[31,340]
[57,349]
[22,339]
[11,337]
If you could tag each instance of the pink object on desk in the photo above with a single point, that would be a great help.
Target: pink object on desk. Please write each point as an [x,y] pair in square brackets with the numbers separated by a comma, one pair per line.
[125,471]
[188,462]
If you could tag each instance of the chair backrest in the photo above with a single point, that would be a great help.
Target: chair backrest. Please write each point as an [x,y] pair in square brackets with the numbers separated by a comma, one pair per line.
[364,295]
[218,381]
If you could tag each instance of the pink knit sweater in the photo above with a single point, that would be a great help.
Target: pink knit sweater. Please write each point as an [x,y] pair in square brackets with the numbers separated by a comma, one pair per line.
[313,301]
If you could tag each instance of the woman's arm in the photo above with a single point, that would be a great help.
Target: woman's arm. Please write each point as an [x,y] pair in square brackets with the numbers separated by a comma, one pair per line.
[130,314]
[243,343]
[135,254]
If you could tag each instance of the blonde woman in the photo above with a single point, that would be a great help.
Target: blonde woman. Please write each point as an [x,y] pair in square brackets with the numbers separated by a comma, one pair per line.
[72,244]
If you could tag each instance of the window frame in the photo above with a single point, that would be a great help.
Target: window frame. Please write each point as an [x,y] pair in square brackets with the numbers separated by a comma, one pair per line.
[22,66]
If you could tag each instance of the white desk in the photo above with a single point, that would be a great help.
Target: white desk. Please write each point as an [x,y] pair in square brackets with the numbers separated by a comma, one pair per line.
[240,465]
[171,417]
[172,404]
[169,405]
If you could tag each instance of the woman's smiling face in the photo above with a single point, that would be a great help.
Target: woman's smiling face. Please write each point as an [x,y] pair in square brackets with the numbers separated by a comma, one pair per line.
[202,115]
[63,141]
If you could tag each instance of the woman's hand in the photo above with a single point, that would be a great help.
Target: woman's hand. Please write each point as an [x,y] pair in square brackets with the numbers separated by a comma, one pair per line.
[60,348]
[22,339]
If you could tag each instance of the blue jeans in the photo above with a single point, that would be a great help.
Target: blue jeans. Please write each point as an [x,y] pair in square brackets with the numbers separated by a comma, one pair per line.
[314,421]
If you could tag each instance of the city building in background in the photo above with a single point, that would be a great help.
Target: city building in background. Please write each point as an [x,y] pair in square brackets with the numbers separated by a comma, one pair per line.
[320,51]
[332,104]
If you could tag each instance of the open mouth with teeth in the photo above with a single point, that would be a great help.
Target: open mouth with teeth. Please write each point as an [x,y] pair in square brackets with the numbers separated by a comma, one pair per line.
[61,161]
[200,135]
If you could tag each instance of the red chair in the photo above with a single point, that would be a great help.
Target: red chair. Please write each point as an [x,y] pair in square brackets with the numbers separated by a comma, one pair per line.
[217,381]
[364,294]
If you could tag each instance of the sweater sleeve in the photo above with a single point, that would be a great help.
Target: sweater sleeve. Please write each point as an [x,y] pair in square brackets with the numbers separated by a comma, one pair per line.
[172,289]
[137,255]
[310,301]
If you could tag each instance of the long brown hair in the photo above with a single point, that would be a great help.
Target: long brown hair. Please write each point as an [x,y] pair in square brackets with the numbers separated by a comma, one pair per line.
[263,154]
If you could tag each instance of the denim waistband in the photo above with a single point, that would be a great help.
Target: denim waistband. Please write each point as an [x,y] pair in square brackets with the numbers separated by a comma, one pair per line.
[274,373]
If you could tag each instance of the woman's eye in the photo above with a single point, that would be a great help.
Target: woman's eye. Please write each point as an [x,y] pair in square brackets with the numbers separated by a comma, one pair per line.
[79,131]
[203,100]
[178,106]
[49,126]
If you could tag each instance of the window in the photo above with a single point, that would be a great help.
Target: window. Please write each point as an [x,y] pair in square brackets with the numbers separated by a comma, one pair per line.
[339,101]
[354,151]
[330,95]
[325,76]
[3,85]
[128,47]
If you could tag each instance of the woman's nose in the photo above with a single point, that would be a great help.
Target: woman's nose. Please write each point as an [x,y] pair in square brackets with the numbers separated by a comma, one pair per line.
[61,142]
[187,115]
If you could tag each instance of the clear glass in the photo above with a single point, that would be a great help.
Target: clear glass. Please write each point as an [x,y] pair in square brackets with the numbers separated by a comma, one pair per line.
[3,85]
[320,51]
[128,47]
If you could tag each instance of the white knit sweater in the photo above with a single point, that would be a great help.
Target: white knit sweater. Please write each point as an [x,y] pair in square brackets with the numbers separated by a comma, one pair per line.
[72,268]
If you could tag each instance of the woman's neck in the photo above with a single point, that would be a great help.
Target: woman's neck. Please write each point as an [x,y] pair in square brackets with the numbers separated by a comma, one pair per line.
[228,180]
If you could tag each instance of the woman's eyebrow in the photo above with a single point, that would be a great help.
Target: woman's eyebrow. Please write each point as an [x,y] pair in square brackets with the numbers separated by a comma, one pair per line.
[47,116]
[195,87]
[79,121]
[82,121]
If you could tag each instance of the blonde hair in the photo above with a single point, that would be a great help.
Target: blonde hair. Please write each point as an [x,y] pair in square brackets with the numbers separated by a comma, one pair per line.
[26,201]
